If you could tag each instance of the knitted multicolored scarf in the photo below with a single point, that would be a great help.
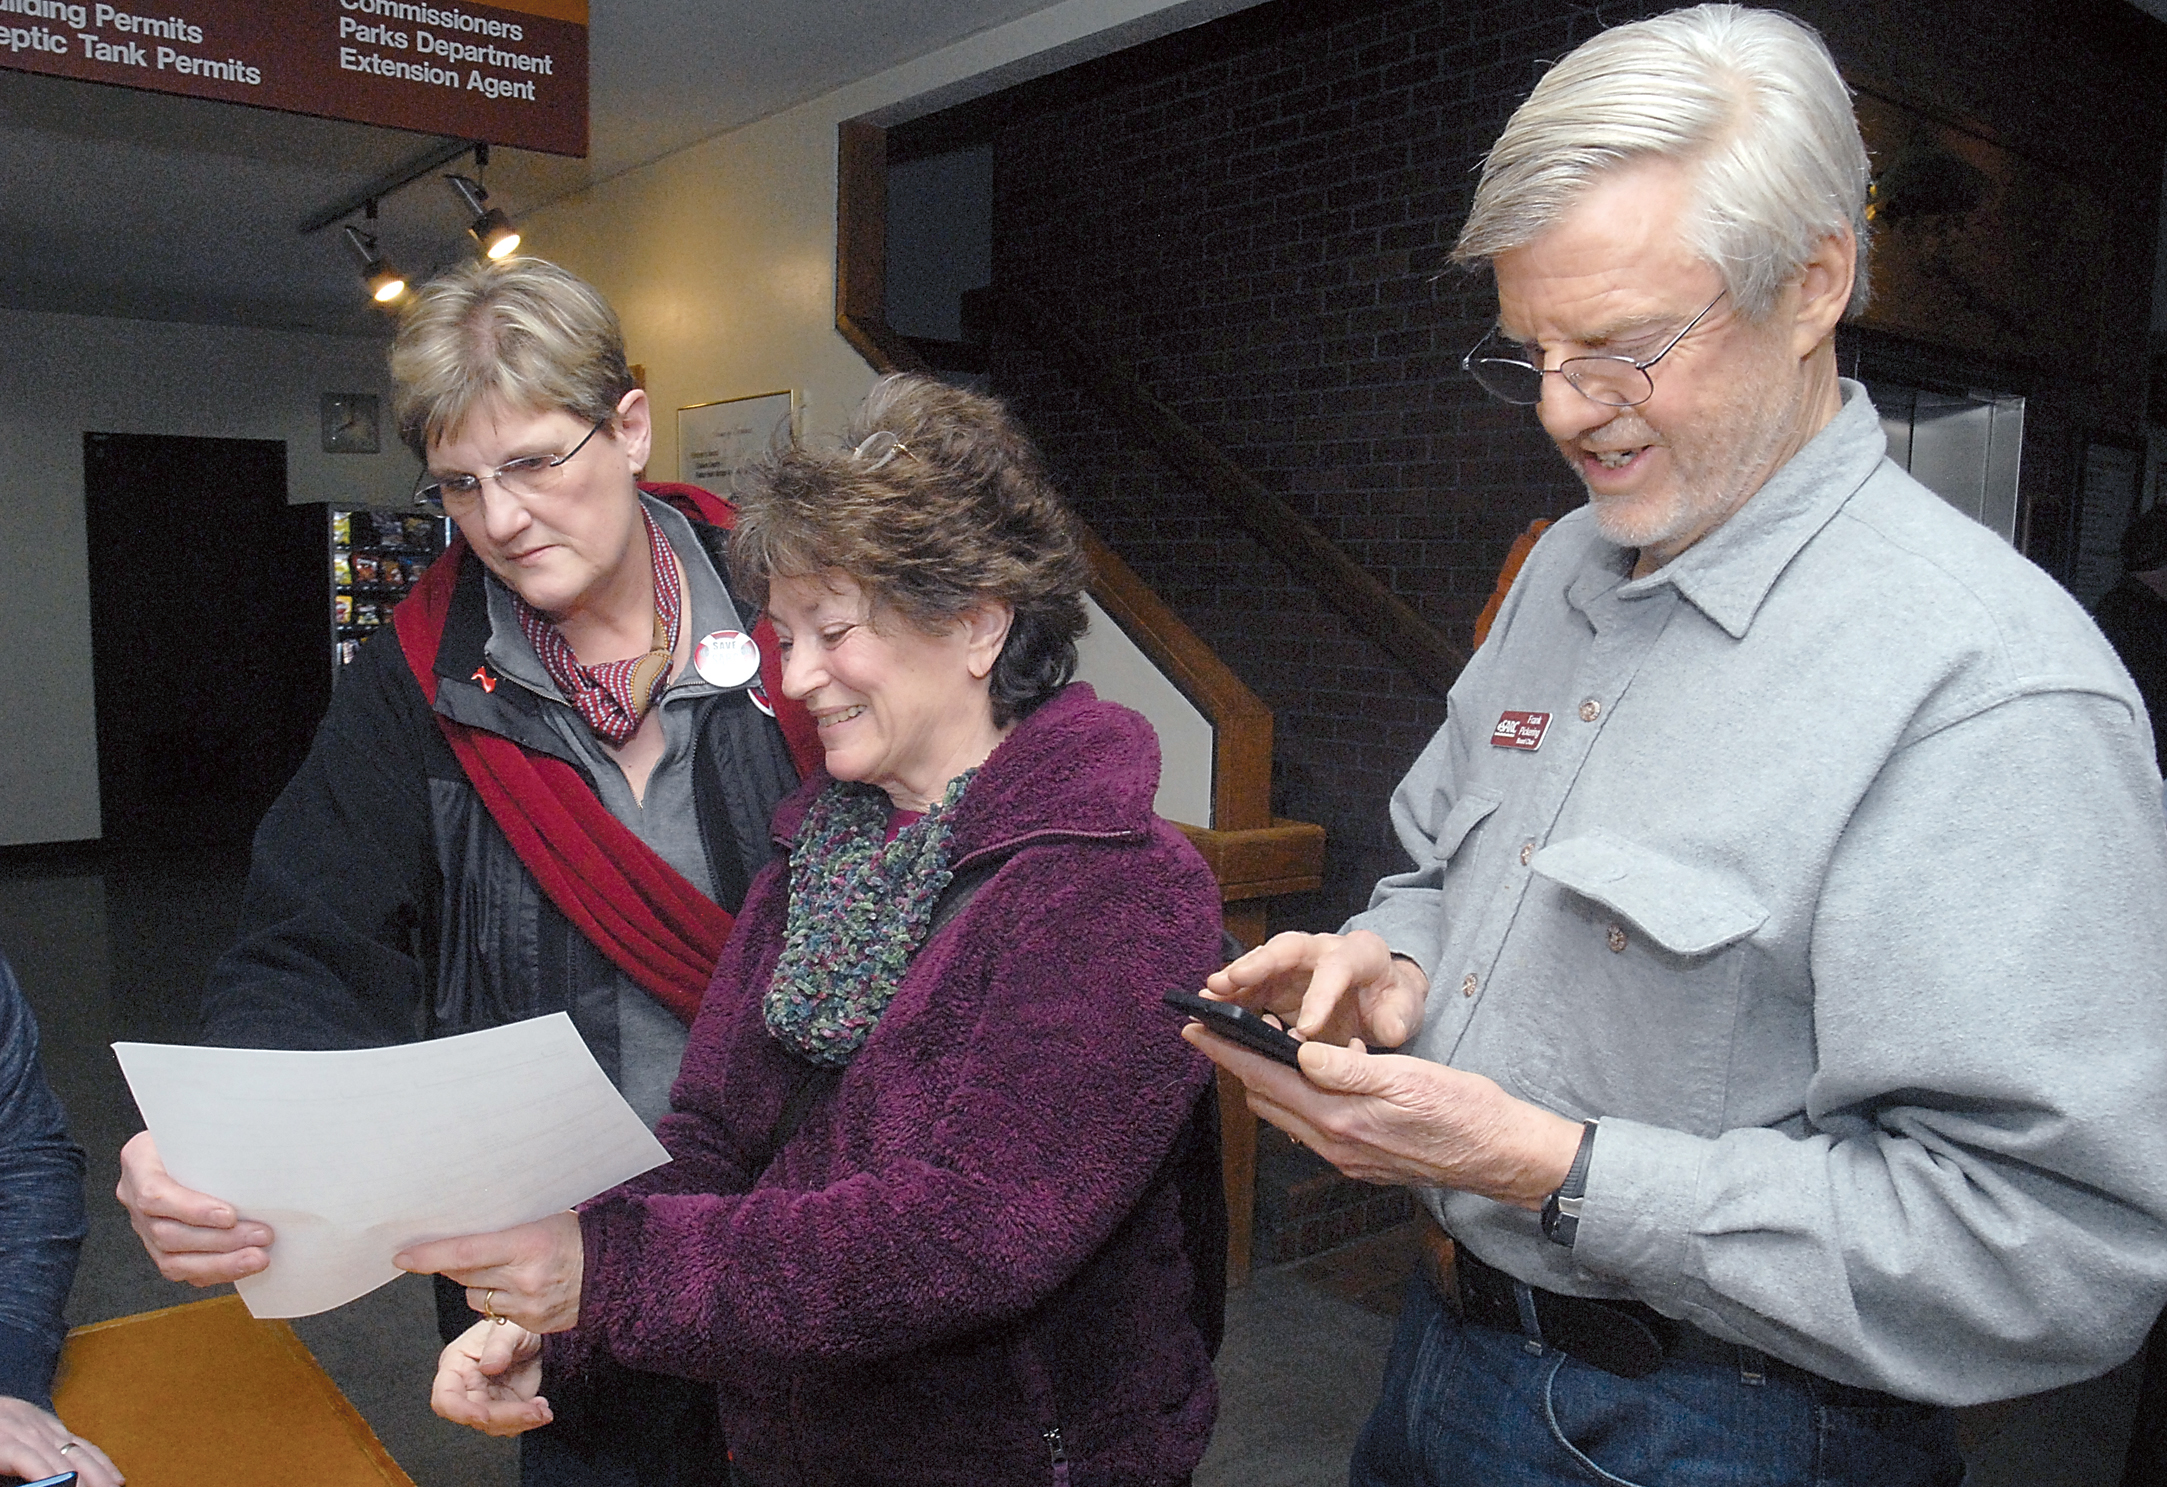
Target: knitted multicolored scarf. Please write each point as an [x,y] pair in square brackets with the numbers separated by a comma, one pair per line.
[859,909]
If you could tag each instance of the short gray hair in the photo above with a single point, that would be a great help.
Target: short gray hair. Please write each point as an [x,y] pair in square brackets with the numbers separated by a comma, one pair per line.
[1750,97]
[520,331]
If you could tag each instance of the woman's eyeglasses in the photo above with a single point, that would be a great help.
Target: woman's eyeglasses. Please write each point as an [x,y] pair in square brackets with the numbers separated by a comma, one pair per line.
[529,475]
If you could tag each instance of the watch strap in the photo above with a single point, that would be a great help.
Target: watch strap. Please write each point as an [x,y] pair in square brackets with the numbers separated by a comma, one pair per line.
[1561,1210]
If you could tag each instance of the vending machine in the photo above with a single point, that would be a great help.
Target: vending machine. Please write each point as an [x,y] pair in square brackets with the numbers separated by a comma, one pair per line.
[376,556]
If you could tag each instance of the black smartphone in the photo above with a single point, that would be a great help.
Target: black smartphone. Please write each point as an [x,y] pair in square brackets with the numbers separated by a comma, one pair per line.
[1243,1026]
[65,1479]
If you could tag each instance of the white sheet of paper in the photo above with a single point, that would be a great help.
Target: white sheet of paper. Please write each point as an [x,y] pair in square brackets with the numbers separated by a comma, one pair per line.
[351,1156]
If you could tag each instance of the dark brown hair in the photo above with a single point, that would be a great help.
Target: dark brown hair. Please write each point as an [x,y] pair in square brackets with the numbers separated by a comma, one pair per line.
[948,508]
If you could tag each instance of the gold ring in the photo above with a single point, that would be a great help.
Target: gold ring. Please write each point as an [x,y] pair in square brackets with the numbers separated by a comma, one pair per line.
[489,1309]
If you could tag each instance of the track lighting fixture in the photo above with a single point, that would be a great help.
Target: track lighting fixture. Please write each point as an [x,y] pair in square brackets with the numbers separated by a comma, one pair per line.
[385,283]
[491,230]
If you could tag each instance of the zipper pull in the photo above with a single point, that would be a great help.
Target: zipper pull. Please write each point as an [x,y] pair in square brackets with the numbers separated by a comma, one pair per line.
[1054,1446]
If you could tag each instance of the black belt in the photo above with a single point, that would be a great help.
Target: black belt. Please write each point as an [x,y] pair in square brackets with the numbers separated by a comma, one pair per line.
[1628,1338]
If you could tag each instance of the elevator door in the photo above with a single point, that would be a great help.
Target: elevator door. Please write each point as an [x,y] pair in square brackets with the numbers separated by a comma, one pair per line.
[1964,447]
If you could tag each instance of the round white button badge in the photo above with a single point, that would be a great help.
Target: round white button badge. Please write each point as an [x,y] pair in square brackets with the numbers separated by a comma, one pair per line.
[726,658]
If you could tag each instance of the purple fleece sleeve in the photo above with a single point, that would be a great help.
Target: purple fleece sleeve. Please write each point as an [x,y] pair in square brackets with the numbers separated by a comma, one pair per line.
[1011,1110]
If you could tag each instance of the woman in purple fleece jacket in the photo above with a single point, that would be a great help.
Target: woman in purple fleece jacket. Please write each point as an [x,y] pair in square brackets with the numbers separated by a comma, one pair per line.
[934,1204]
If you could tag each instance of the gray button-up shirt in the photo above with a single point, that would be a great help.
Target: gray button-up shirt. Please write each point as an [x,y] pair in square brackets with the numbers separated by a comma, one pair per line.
[1835,885]
[650,1039]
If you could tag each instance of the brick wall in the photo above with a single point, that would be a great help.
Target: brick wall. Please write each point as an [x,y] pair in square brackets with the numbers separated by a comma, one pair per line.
[1248,215]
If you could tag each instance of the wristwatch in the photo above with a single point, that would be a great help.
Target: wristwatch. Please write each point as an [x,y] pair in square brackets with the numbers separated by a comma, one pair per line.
[1561,1210]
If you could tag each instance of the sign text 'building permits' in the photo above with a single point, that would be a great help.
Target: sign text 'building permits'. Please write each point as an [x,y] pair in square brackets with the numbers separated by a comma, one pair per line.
[513,74]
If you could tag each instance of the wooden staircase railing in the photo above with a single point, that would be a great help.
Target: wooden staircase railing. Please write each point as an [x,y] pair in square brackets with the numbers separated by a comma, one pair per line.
[1337,578]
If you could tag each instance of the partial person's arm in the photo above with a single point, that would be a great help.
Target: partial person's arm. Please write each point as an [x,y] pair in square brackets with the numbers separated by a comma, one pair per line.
[41,1234]
[341,872]
[41,1208]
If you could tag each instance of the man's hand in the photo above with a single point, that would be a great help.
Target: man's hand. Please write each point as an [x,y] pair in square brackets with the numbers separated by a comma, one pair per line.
[529,1275]
[192,1236]
[1330,987]
[31,1444]
[490,1377]
[1405,1122]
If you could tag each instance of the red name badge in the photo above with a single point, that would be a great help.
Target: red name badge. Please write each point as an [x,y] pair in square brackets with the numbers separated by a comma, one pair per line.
[1519,731]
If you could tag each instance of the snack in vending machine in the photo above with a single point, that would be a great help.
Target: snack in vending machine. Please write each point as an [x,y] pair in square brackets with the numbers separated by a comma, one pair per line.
[342,570]
[348,649]
[342,527]
[343,605]
[364,567]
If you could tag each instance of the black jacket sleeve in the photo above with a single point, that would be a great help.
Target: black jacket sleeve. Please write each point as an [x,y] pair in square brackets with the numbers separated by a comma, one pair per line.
[41,1207]
[343,880]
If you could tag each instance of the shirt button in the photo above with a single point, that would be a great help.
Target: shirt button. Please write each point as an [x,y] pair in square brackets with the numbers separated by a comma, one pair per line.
[1467,987]
[1527,853]
[1590,710]
[1616,940]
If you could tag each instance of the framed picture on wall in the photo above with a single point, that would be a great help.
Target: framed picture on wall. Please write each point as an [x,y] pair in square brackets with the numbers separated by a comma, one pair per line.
[714,439]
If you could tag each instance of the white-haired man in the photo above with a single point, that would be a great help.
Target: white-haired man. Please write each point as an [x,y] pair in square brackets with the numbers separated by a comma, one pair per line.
[1779,972]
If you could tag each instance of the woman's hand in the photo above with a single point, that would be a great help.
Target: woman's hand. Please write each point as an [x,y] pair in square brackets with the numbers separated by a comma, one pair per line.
[490,1377]
[529,1275]
[33,1444]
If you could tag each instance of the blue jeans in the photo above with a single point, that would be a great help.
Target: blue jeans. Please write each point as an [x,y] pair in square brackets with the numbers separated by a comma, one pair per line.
[1477,1407]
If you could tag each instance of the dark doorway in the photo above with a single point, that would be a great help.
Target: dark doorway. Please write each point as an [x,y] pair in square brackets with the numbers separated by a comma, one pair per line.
[210,634]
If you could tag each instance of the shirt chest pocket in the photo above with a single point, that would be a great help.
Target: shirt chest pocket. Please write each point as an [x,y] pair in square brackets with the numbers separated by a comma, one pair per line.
[1641,960]
[1455,869]
[1466,813]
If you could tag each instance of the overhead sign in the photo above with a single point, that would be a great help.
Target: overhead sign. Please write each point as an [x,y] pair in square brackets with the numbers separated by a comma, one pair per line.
[507,74]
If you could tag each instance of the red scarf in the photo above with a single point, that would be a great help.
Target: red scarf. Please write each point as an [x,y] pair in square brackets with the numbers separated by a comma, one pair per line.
[619,892]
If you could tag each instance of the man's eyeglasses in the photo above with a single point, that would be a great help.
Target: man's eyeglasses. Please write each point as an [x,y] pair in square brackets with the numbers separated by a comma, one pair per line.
[529,475]
[1504,371]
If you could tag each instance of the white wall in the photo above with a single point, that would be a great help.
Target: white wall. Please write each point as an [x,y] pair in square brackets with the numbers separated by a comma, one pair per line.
[720,261]
[1119,670]
[63,375]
